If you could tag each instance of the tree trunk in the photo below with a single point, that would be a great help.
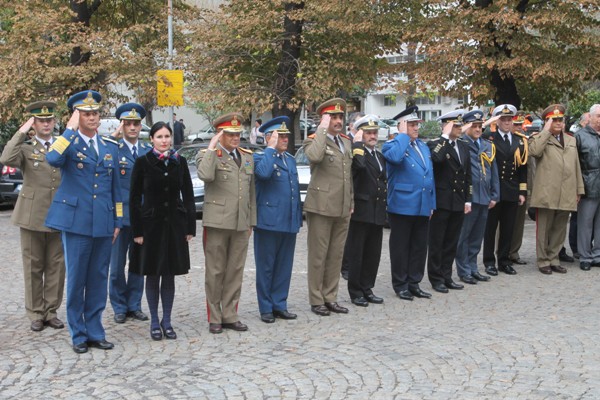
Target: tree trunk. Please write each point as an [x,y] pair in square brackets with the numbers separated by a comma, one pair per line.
[285,82]
[506,90]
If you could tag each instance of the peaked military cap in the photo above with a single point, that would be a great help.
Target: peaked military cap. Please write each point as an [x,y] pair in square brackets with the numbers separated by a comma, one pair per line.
[231,122]
[279,124]
[131,112]
[41,109]
[505,110]
[454,116]
[473,116]
[333,106]
[554,111]
[369,122]
[88,100]
[409,115]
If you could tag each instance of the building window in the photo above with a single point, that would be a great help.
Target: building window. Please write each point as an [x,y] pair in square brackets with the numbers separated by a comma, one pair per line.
[429,115]
[464,99]
[425,99]
[389,100]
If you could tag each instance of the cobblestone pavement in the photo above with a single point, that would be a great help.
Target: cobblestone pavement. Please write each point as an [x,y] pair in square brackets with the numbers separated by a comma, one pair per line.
[527,336]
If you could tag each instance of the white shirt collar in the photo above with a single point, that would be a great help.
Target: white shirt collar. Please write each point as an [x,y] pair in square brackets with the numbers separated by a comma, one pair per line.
[87,139]
[136,144]
[43,141]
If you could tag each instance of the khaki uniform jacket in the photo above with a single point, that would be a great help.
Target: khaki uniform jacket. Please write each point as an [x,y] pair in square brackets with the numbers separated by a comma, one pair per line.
[40,181]
[330,190]
[229,193]
[557,180]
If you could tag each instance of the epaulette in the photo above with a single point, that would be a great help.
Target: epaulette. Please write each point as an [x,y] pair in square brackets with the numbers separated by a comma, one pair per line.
[247,151]
[344,136]
[463,140]
[520,134]
[109,140]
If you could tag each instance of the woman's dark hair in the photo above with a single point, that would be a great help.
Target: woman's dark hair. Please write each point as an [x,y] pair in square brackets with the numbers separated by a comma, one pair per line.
[158,126]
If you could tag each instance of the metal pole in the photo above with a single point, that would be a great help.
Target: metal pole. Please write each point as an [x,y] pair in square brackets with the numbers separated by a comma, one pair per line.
[170,59]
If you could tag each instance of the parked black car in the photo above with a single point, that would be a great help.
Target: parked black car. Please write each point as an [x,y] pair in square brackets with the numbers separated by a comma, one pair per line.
[11,180]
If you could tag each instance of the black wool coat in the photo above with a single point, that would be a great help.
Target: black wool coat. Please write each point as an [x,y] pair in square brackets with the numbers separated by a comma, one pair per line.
[162,212]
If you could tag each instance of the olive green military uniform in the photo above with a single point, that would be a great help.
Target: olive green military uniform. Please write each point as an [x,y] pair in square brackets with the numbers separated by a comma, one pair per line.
[228,215]
[329,200]
[41,247]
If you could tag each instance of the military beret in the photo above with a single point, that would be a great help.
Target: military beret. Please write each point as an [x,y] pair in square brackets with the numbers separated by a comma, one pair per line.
[130,111]
[505,110]
[41,109]
[333,106]
[231,122]
[554,111]
[279,124]
[88,100]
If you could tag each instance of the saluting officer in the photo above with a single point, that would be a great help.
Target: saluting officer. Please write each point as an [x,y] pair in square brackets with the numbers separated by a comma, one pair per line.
[126,294]
[87,208]
[41,247]
[486,193]
[363,245]
[453,192]
[279,218]
[228,217]
[328,205]
[511,157]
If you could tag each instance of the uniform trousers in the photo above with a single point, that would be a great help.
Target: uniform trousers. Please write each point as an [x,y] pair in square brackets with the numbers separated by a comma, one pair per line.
[444,231]
[326,239]
[43,272]
[87,260]
[408,250]
[225,253]
[517,239]
[471,237]
[125,294]
[363,252]
[551,229]
[274,258]
[588,228]
[503,214]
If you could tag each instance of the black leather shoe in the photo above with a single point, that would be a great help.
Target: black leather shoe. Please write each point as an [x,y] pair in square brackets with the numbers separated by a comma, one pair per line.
[80,348]
[491,270]
[405,295]
[507,269]
[417,292]
[284,314]
[479,277]
[156,334]
[138,314]
[558,269]
[565,257]
[453,285]
[336,308]
[440,287]
[345,275]
[101,344]
[54,323]
[320,310]
[584,265]
[360,301]
[215,328]
[120,318]
[37,325]
[371,298]
[169,332]
[468,279]
[236,326]
[518,261]
[267,318]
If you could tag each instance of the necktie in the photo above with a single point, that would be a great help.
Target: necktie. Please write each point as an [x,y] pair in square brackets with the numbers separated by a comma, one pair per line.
[414,145]
[453,144]
[335,138]
[374,154]
[134,152]
[506,139]
[47,144]
[477,145]
[282,156]
[236,159]
[93,148]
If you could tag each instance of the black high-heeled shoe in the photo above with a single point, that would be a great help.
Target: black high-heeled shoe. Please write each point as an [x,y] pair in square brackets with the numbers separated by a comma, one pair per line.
[169,332]
[156,334]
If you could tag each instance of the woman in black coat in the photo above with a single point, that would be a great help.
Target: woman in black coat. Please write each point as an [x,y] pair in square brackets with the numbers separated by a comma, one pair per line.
[162,224]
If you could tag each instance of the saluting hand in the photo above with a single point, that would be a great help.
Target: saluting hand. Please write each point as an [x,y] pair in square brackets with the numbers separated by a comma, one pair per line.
[491,121]
[359,136]
[466,127]
[74,121]
[26,127]
[325,120]
[215,139]
[447,129]
[118,134]
[548,125]
[402,126]
[273,139]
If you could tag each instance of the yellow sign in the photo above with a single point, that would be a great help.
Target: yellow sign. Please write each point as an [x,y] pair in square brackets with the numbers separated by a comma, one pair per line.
[169,87]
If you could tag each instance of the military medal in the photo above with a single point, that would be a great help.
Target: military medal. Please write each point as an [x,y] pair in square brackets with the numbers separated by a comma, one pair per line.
[248,167]
[122,172]
[80,165]
[35,164]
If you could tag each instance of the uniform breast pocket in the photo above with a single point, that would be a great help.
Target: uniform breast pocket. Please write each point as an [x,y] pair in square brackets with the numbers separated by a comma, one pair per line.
[267,213]
[63,211]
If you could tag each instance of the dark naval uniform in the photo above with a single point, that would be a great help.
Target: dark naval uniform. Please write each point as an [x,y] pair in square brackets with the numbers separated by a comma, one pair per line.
[452,189]
[86,208]
[279,218]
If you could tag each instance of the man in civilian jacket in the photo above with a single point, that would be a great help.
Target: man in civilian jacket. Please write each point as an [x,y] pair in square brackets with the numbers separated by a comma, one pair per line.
[365,234]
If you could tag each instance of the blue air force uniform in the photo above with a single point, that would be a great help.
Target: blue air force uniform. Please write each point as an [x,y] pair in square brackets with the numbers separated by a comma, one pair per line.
[279,217]
[86,208]
[126,294]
